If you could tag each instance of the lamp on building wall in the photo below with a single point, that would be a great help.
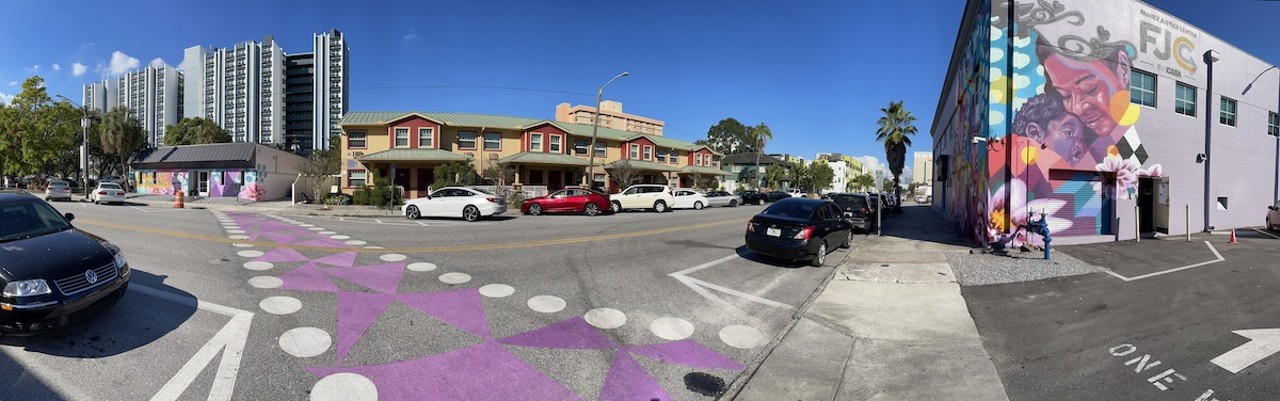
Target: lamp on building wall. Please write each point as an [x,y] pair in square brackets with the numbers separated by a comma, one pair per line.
[591,158]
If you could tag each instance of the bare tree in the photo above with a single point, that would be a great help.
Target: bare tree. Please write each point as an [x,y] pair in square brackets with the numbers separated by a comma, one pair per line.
[320,165]
[623,173]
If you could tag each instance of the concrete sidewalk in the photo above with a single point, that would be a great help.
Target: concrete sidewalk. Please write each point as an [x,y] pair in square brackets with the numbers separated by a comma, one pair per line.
[890,325]
[273,207]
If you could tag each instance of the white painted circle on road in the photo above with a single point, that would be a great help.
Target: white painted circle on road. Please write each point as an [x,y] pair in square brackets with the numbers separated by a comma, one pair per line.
[266,282]
[249,253]
[606,318]
[316,228]
[241,245]
[374,247]
[259,266]
[421,266]
[344,387]
[670,328]
[546,304]
[280,305]
[497,290]
[455,278]
[393,257]
[340,236]
[305,342]
[235,231]
[327,233]
[742,337]
[306,225]
[356,242]
[240,237]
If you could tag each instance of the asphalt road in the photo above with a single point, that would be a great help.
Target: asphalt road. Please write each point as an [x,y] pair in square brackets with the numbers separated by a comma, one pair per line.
[1144,330]
[630,306]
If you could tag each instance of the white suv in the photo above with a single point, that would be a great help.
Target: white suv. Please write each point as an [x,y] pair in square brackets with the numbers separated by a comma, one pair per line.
[659,198]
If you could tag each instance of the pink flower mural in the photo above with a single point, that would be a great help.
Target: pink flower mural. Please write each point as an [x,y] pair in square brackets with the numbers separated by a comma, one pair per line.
[1020,210]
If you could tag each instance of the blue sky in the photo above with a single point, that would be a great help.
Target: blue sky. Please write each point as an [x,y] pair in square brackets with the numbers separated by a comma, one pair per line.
[816,71]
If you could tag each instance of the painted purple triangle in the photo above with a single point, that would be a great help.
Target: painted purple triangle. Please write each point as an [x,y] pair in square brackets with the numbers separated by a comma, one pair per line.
[628,381]
[380,278]
[282,255]
[326,243]
[574,333]
[253,236]
[281,238]
[484,372]
[274,226]
[357,311]
[307,278]
[463,309]
[345,259]
[687,353]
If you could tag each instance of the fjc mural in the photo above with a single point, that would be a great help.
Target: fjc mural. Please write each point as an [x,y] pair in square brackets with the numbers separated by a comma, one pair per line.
[1050,94]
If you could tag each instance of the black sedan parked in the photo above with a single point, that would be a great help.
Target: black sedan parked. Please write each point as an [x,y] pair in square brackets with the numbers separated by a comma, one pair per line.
[53,274]
[857,208]
[751,197]
[799,229]
[776,196]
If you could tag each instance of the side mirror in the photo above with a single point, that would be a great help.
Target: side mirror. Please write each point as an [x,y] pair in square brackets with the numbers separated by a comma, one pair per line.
[1272,208]
[69,216]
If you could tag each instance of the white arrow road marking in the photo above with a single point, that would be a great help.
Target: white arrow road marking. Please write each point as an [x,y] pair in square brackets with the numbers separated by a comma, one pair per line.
[230,340]
[1218,256]
[1264,343]
[701,288]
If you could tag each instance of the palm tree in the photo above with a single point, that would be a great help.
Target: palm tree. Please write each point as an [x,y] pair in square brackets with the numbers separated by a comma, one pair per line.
[760,134]
[895,131]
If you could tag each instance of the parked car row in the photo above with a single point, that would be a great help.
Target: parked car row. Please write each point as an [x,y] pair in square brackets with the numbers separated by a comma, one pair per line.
[472,204]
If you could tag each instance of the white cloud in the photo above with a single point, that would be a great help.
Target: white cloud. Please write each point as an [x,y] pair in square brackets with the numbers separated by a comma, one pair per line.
[157,62]
[57,68]
[870,164]
[78,69]
[122,63]
[410,36]
[5,98]
[34,68]
[13,83]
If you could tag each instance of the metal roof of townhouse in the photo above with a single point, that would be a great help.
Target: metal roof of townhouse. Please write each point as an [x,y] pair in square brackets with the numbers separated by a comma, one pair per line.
[357,118]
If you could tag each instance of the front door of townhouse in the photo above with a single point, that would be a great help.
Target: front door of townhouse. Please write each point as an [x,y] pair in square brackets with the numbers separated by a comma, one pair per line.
[426,176]
[555,180]
[402,180]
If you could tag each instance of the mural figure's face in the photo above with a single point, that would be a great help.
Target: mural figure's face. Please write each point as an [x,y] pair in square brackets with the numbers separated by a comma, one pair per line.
[1086,89]
[1065,135]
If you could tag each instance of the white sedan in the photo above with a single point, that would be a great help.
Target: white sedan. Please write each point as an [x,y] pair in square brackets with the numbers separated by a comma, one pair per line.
[467,203]
[688,199]
[107,192]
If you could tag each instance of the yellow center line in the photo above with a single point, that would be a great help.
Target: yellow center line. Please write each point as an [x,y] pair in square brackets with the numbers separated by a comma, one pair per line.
[430,249]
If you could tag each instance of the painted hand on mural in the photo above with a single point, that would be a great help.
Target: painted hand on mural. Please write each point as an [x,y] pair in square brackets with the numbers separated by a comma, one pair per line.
[1019,211]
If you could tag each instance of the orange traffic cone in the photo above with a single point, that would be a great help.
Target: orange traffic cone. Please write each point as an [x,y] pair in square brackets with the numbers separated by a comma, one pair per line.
[1233,236]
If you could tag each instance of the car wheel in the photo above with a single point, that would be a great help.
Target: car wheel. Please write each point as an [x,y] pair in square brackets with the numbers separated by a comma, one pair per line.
[470,213]
[535,209]
[848,240]
[615,207]
[733,203]
[413,213]
[821,257]
[659,206]
[697,205]
[591,209]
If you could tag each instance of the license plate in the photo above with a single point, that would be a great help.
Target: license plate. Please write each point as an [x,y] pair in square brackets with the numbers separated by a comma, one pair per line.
[773,232]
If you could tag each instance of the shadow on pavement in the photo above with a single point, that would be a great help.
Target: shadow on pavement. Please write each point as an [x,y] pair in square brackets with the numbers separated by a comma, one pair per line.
[751,255]
[921,223]
[135,321]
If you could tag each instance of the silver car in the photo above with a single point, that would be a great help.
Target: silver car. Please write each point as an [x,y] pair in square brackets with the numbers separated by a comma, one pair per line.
[722,198]
[57,190]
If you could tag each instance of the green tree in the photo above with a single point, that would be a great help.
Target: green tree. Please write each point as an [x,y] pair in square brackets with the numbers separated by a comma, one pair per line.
[864,182]
[774,174]
[728,136]
[195,131]
[454,174]
[498,173]
[121,135]
[35,132]
[760,135]
[798,174]
[895,128]
[820,176]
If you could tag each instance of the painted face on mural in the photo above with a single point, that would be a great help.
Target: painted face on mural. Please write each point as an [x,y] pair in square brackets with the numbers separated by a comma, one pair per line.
[1046,120]
[1087,87]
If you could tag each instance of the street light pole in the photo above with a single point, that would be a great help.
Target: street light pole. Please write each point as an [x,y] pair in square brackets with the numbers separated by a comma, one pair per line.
[84,145]
[591,151]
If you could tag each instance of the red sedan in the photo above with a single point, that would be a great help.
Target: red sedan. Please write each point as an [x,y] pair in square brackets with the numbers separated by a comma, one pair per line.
[569,200]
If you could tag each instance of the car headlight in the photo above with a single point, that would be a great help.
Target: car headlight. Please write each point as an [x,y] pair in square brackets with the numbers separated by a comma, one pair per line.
[118,256]
[26,288]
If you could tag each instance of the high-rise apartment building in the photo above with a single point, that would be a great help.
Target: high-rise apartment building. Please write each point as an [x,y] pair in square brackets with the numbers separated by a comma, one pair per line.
[153,96]
[611,116]
[922,168]
[260,94]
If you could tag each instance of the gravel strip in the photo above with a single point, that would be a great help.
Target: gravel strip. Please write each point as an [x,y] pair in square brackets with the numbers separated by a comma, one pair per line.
[985,269]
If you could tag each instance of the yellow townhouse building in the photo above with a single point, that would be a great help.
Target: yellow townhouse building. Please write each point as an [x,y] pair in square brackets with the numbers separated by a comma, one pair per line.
[546,154]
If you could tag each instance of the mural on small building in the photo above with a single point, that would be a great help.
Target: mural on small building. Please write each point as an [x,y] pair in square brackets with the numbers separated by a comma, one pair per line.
[161,182]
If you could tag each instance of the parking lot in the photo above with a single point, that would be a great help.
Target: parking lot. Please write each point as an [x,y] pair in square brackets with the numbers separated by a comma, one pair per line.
[260,306]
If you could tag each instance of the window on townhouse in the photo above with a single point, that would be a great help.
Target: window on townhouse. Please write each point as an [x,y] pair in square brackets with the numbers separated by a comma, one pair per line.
[648,153]
[492,141]
[1184,101]
[635,151]
[580,146]
[402,137]
[357,140]
[356,178]
[467,140]
[675,157]
[553,142]
[662,156]
[426,137]
[600,149]
[1227,112]
[1142,88]
[535,141]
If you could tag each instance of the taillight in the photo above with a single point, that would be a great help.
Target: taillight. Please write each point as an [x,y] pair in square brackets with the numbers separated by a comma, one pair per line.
[865,211]
[751,226]
[493,200]
[102,192]
[804,233]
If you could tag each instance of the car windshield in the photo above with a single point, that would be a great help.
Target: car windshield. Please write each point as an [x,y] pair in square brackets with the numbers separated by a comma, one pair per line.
[28,218]
[109,186]
[849,201]
[58,184]
[483,191]
[791,209]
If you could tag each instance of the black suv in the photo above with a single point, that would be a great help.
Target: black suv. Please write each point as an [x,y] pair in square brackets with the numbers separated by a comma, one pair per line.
[53,274]
[753,197]
[856,208]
